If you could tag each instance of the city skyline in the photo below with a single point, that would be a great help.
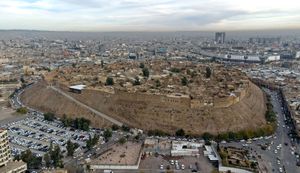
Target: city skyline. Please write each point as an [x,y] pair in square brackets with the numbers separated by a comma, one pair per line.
[134,15]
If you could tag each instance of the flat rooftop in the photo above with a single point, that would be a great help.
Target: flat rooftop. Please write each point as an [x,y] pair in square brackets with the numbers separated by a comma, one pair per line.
[77,87]
[13,165]
[126,154]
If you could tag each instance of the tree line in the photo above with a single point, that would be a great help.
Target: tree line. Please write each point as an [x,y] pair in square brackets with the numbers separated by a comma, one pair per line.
[77,123]
[266,130]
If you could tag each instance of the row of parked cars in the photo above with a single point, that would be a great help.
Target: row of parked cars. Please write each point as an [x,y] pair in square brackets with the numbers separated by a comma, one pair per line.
[43,132]
[179,166]
[28,143]
[36,133]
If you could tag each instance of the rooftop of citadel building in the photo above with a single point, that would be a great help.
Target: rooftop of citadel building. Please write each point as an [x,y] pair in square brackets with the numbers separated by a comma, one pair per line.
[172,78]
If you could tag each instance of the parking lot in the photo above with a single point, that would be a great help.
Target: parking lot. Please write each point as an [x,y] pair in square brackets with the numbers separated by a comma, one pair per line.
[36,134]
[177,164]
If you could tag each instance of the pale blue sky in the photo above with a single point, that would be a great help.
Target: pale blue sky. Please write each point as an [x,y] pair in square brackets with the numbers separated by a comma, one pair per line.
[149,15]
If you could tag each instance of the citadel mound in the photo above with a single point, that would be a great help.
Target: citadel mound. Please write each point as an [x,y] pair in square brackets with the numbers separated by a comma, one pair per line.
[195,97]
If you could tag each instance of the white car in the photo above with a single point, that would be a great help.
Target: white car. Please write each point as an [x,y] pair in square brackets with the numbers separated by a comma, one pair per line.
[275,151]
[161,167]
[278,162]
[245,145]
[280,169]
[182,166]
[172,162]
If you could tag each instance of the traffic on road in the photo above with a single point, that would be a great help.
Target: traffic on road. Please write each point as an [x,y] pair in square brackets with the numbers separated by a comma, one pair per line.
[279,152]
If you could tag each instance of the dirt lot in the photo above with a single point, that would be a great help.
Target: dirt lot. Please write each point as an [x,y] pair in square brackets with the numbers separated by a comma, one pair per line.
[126,154]
[7,113]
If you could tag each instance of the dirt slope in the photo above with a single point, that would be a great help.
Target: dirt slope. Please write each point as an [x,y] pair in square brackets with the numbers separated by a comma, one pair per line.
[247,114]
[45,99]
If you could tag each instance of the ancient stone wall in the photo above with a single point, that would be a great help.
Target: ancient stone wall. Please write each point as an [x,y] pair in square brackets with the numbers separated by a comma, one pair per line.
[173,101]
[236,97]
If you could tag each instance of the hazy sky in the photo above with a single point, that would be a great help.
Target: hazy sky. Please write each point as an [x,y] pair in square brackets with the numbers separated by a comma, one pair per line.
[149,15]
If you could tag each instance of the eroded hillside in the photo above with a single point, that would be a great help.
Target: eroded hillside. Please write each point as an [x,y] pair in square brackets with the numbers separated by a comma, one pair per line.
[245,114]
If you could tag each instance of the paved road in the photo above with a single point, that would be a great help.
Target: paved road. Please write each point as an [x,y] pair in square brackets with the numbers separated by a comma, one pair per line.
[87,107]
[284,154]
[269,159]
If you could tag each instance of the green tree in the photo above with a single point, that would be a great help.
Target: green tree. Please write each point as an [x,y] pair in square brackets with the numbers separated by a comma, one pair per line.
[180,132]
[146,72]
[47,160]
[32,161]
[157,132]
[184,81]
[115,127]
[109,81]
[142,65]
[22,80]
[56,156]
[70,148]
[122,140]
[175,70]
[157,83]
[67,121]
[102,63]
[95,139]
[82,124]
[137,137]
[49,116]
[137,81]
[89,143]
[125,128]
[107,134]
[92,141]
[22,110]
[208,72]
[207,136]
[231,136]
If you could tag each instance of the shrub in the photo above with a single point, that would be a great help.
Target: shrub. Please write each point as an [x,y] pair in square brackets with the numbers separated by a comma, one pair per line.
[49,116]
[22,110]
[208,72]
[180,132]
[184,81]
[109,81]
[175,70]
[146,72]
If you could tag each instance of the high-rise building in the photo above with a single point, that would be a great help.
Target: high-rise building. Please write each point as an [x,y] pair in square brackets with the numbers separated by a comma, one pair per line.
[6,163]
[220,37]
[4,148]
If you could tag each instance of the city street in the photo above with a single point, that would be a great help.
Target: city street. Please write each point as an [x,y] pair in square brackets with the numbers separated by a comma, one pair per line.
[280,154]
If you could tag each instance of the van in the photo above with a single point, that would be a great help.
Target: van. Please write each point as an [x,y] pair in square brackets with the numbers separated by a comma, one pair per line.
[108,171]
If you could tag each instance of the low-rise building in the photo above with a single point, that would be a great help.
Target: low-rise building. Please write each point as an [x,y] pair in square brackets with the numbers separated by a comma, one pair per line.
[184,148]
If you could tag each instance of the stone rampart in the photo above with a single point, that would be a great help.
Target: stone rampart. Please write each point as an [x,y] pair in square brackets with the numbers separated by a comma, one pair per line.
[173,101]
